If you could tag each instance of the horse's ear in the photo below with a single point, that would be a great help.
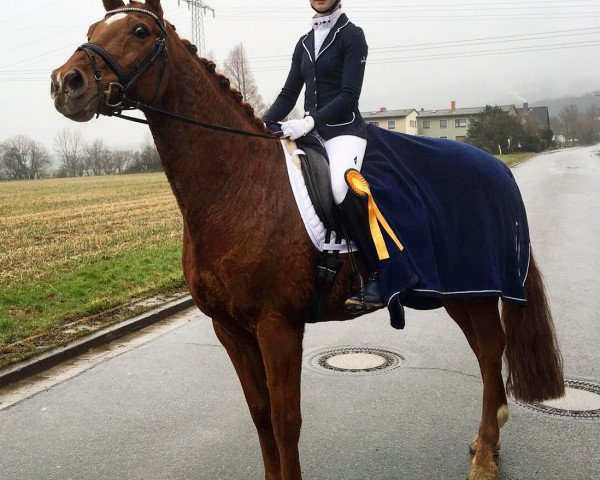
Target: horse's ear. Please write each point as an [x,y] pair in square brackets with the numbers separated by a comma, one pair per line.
[155,4]
[113,4]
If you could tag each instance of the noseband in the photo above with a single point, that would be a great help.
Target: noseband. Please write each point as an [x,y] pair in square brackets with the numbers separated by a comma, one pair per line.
[126,80]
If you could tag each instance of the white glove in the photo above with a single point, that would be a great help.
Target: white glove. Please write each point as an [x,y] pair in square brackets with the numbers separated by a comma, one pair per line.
[294,129]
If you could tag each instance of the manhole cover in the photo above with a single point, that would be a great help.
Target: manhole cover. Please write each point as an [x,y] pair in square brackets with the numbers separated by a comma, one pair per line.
[582,400]
[358,360]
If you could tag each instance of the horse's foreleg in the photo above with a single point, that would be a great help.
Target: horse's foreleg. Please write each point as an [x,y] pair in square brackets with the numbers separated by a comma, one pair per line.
[244,351]
[281,347]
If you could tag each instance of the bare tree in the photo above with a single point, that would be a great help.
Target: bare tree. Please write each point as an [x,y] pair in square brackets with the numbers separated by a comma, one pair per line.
[117,161]
[237,69]
[293,115]
[70,147]
[96,157]
[591,124]
[23,158]
[145,159]
[570,118]
[210,55]
[580,127]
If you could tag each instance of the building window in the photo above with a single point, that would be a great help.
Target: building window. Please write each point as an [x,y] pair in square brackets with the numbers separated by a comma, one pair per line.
[443,123]
[374,123]
[391,124]
[413,123]
[460,122]
[426,124]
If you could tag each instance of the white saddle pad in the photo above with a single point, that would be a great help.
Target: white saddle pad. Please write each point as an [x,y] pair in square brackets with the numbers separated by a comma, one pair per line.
[314,226]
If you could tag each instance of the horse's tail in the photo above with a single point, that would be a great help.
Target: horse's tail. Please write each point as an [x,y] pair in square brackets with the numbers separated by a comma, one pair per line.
[535,371]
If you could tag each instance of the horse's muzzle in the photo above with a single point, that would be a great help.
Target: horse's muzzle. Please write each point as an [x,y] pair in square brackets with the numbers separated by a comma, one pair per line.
[73,95]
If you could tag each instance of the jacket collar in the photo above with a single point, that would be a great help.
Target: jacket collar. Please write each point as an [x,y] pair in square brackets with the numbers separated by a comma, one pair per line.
[309,39]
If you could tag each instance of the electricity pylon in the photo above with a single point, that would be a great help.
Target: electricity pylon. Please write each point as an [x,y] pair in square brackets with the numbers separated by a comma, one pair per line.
[199,10]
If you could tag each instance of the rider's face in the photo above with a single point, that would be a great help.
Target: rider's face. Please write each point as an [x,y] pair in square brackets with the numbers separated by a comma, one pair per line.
[322,5]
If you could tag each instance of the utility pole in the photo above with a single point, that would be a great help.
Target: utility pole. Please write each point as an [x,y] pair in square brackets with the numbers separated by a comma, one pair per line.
[199,10]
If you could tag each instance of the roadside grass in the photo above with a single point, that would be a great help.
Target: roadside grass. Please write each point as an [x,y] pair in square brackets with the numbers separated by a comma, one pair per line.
[515,158]
[73,248]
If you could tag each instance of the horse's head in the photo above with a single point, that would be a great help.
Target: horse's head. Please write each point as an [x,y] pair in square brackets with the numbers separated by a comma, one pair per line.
[126,54]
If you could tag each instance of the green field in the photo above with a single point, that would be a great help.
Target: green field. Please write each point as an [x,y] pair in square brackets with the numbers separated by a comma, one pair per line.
[79,252]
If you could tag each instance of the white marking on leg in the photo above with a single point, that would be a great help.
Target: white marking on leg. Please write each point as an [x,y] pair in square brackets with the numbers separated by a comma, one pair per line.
[502,415]
[115,18]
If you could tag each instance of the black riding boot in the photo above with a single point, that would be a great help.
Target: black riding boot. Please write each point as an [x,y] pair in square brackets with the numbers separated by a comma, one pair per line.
[356,218]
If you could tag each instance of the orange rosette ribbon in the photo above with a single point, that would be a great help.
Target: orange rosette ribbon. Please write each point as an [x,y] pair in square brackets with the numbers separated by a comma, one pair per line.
[359,185]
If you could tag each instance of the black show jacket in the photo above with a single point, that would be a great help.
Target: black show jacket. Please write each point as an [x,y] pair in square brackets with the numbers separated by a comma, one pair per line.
[333,81]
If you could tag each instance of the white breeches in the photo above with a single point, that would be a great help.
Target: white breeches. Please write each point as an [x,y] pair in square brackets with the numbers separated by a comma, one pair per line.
[344,152]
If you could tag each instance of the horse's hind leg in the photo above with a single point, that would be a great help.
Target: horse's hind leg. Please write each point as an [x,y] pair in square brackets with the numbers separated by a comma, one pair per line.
[281,346]
[480,321]
[245,355]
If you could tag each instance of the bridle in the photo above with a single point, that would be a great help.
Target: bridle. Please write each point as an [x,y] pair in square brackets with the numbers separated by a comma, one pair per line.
[127,80]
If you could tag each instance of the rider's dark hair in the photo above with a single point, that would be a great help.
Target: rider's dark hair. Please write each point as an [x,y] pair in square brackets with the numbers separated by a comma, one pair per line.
[330,10]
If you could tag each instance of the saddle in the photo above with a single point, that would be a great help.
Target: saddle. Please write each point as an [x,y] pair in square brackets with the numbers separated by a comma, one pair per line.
[315,170]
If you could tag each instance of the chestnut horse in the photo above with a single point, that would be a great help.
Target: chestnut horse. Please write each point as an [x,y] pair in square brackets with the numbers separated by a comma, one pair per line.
[247,259]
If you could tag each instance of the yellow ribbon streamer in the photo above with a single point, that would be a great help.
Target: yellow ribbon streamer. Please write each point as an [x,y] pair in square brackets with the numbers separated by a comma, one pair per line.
[360,187]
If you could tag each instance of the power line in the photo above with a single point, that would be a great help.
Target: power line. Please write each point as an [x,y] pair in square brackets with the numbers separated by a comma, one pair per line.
[70,45]
[16,47]
[29,12]
[487,54]
[420,46]
[431,19]
[477,53]
[424,8]
[464,42]
[480,53]
[520,2]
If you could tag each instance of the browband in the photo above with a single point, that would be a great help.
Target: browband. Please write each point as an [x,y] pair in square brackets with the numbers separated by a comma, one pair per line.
[161,23]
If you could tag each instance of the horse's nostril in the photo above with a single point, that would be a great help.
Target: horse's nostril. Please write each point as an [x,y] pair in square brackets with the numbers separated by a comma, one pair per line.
[73,81]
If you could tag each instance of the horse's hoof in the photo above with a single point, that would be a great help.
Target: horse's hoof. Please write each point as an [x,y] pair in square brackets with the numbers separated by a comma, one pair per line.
[480,473]
[475,445]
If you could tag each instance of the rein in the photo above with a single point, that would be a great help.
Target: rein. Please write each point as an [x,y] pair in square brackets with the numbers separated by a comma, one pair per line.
[143,107]
[126,80]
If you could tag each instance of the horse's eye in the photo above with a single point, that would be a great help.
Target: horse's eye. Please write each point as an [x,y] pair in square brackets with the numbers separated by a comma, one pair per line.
[141,32]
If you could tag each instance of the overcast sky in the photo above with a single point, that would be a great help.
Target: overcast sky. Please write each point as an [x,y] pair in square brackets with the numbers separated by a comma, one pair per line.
[421,55]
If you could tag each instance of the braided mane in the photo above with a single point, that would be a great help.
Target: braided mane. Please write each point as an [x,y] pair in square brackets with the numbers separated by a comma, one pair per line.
[211,68]
[225,84]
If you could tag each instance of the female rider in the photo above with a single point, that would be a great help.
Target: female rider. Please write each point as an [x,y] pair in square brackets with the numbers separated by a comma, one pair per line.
[330,60]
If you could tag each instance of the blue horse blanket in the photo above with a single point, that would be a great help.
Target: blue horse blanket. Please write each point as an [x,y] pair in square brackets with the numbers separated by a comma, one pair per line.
[459,214]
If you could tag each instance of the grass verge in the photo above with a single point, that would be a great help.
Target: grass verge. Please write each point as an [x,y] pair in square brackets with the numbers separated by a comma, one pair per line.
[58,309]
[515,158]
[77,255]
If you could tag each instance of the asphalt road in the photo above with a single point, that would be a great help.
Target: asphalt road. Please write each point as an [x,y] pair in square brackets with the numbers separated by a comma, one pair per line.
[170,407]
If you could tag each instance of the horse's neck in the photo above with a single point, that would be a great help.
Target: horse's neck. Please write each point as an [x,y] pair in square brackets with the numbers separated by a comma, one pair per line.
[211,170]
